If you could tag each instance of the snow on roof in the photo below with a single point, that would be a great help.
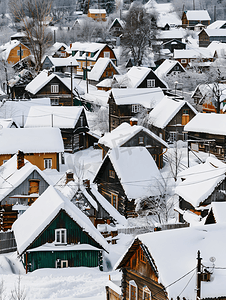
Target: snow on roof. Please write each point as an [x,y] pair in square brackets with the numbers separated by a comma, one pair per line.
[172,34]
[219,211]
[124,132]
[165,110]
[11,177]
[87,47]
[97,97]
[43,78]
[169,246]
[192,53]
[206,91]
[105,83]
[54,247]
[6,49]
[97,11]
[208,123]
[61,62]
[121,22]
[136,170]
[40,214]
[147,97]
[200,15]
[166,67]
[99,68]
[218,47]
[215,32]
[53,116]
[7,123]
[217,24]
[197,183]
[55,47]
[31,140]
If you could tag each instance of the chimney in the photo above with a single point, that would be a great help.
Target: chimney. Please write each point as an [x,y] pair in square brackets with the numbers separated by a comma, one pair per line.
[70,46]
[86,183]
[69,176]
[133,121]
[20,159]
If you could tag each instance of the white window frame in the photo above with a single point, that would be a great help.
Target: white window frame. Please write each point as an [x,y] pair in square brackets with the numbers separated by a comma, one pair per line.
[135,108]
[62,263]
[54,88]
[107,54]
[146,290]
[48,163]
[61,236]
[172,136]
[133,283]
[150,83]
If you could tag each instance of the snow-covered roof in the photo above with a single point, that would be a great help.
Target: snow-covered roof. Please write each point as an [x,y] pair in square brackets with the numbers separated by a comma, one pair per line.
[97,11]
[99,68]
[207,91]
[165,110]
[219,211]
[192,53]
[97,97]
[7,123]
[208,123]
[43,78]
[136,170]
[74,247]
[40,214]
[217,24]
[215,32]
[197,183]
[172,34]
[11,177]
[123,133]
[86,47]
[169,247]
[201,15]
[218,47]
[166,67]
[105,83]
[6,48]
[63,62]
[56,47]
[31,140]
[53,116]
[147,97]
[121,22]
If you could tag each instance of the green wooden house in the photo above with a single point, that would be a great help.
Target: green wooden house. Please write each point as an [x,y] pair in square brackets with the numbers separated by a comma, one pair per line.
[55,233]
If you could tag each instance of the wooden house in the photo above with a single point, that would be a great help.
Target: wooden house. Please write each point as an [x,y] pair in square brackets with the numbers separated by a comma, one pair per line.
[58,237]
[56,86]
[168,118]
[58,64]
[199,57]
[205,132]
[155,255]
[41,146]
[127,103]
[200,185]
[104,68]
[122,175]
[58,50]
[87,54]
[190,18]
[169,67]
[18,84]
[14,51]
[21,183]
[71,121]
[126,135]
[116,27]
[206,36]
[97,14]
[173,44]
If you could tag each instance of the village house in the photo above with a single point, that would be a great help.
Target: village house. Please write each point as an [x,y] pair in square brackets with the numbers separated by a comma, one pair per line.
[58,237]
[206,36]
[57,64]
[116,27]
[18,84]
[190,18]
[168,118]
[199,186]
[169,67]
[127,103]
[165,36]
[41,146]
[97,14]
[173,44]
[126,174]
[150,265]
[132,135]
[56,86]
[13,51]
[71,121]
[58,50]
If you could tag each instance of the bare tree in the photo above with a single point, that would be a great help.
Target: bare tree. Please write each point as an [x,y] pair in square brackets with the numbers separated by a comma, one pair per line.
[32,17]
[18,293]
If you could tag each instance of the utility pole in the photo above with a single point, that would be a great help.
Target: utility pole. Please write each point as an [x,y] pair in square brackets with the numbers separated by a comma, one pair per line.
[198,287]
[71,86]
[87,88]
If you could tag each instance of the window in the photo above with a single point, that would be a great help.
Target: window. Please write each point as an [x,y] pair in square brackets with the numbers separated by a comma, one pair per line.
[55,88]
[172,136]
[111,174]
[141,140]
[54,101]
[146,293]
[142,257]
[132,290]
[114,200]
[107,54]
[61,263]
[81,121]
[47,163]
[135,108]
[18,52]
[61,236]
[183,60]
[150,83]
[185,111]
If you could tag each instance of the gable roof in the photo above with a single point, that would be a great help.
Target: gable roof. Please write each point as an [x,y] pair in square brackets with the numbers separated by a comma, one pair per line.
[54,116]
[192,53]
[63,62]
[218,209]
[136,170]
[197,183]
[147,97]
[194,15]
[42,79]
[215,32]
[217,24]
[208,123]
[167,66]
[165,110]
[166,247]
[56,47]
[31,140]
[6,48]
[11,177]
[7,123]
[99,68]
[123,133]
[40,214]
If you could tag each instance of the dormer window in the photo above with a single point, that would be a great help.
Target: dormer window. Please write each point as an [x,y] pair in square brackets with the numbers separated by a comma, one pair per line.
[61,236]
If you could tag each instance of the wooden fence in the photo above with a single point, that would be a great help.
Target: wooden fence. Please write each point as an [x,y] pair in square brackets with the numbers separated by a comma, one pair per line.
[7,242]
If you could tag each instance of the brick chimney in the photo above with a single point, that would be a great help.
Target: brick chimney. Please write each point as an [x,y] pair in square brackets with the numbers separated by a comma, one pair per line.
[20,159]
[133,121]
[69,176]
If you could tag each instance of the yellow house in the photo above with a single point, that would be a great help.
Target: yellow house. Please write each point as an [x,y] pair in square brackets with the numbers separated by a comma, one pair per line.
[41,146]
[97,14]
[14,51]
